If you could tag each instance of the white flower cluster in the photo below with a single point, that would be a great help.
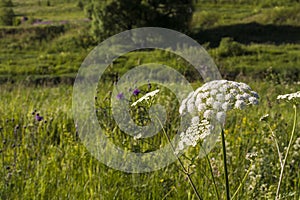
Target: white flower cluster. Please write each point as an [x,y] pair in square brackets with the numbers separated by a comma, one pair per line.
[214,98]
[289,97]
[198,130]
[210,103]
[145,97]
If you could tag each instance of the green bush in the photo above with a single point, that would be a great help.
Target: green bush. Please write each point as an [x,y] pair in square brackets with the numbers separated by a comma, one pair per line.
[80,5]
[6,13]
[229,47]
[119,15]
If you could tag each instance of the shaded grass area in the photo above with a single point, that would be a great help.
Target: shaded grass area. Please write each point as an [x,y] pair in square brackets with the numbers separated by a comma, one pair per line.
[251,33]
[266,62]
[256,61]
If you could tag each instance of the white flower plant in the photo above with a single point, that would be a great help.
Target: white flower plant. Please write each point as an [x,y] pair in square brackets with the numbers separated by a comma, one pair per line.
[207,107]
[294,100]
[210,103]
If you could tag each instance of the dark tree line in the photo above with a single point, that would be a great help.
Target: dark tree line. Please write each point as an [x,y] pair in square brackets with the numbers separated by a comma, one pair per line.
[114,16]
[6,13]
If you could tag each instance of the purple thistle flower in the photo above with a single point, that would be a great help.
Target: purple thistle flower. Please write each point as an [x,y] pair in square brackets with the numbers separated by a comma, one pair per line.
[136,92]
[38,117]
[120,96]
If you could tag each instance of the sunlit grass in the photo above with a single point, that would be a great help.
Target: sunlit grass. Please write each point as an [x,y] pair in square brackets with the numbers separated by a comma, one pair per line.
[46,159]
[51,162]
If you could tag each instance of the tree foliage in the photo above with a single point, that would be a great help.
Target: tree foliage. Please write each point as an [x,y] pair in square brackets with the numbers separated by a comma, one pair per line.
[6,13]
[114,16]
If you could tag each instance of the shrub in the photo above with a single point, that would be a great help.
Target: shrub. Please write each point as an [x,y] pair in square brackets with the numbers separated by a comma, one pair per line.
[120,15]
[229,47]
[6,13]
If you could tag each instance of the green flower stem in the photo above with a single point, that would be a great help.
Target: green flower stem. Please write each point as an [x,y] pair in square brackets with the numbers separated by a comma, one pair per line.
[213,177]
[181,163]
[276,144]
[225,166]
[287,152]
[243,181]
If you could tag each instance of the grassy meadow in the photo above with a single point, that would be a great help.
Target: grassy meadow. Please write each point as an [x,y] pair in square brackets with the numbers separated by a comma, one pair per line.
[256,42]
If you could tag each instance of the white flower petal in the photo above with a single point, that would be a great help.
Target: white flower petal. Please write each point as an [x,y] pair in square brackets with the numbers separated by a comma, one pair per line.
[217,105]
[221,117]
[240,104]
[208,114]
[201,107]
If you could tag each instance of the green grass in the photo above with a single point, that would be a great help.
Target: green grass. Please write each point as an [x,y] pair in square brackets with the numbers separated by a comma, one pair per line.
[47,160]
[29,52]
[58,10]
[209,15]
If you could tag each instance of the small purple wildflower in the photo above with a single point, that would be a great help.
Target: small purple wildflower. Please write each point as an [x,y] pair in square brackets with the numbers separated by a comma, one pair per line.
[136,92]
[149,85]
[38,117]
[120,96]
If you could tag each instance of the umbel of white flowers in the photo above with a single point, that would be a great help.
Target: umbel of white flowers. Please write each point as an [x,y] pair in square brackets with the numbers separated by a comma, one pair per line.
[289,97]
[209,104]
[145,97]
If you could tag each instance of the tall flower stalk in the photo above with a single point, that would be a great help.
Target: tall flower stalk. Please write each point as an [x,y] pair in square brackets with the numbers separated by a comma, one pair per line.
[148,98]
[207,107]
[225,166]
[185,171]
[292,98]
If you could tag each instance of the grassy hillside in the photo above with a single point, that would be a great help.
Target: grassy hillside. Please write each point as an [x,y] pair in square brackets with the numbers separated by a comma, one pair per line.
[55,39]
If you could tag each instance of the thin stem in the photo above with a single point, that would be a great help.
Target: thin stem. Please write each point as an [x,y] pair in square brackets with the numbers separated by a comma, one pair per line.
[213,177]
[287,152]
[243,180]
[185,171]
[193,186]
[225,166]
[276,144]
